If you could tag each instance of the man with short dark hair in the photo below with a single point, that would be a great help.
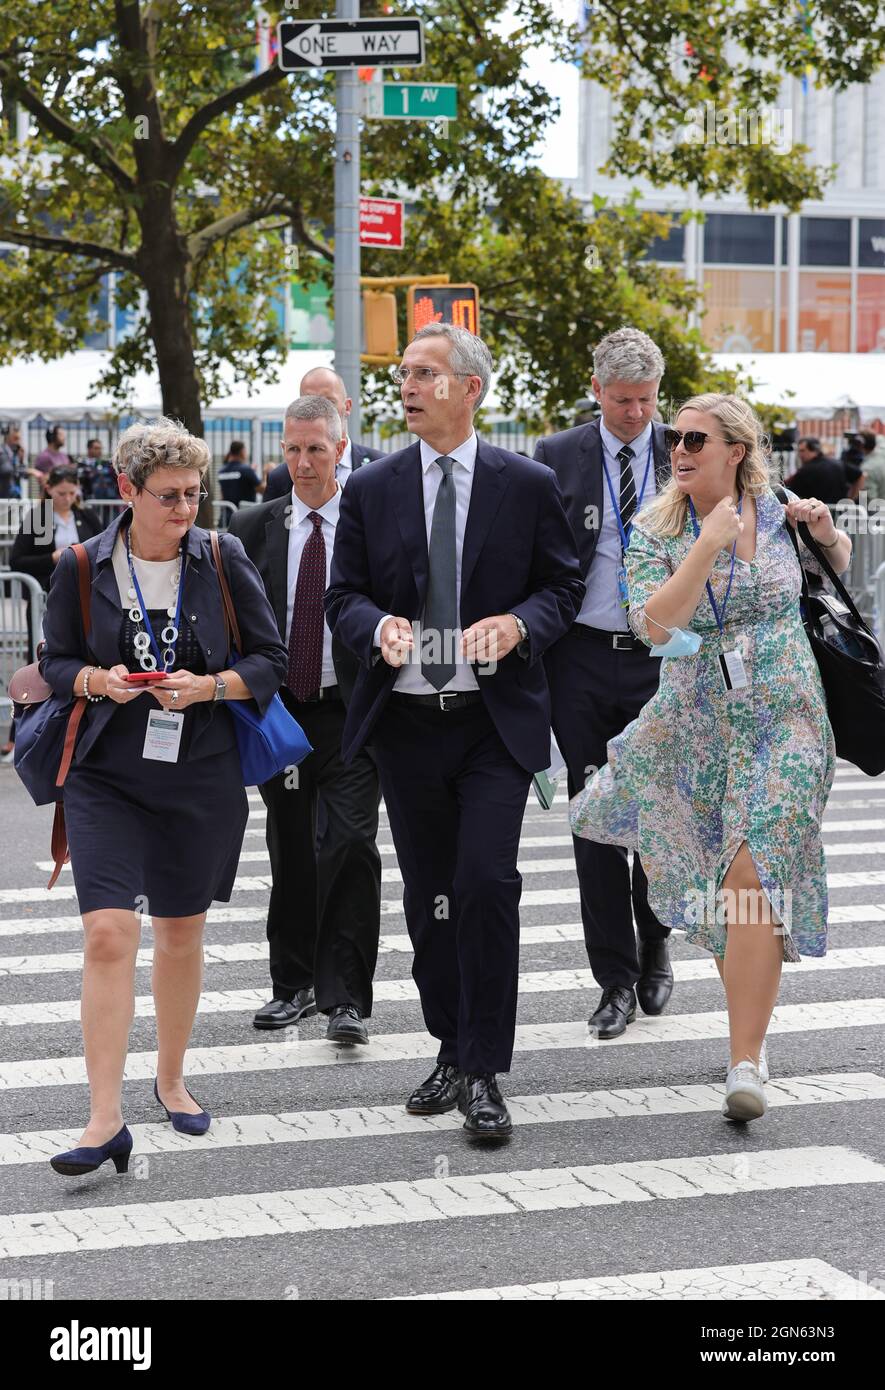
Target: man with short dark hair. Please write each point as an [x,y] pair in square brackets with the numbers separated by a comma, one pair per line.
[817,476]
[13,468]
[325,904]
[238,482]
[323,381]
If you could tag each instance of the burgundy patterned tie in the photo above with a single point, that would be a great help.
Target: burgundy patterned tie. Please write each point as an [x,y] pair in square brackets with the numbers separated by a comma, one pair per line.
[306,635]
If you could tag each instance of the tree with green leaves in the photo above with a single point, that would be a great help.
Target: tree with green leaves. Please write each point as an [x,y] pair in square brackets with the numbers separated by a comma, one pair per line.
[156,152]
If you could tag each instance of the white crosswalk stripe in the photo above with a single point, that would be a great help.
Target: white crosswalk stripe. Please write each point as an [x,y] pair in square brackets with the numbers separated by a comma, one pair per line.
[344,1160]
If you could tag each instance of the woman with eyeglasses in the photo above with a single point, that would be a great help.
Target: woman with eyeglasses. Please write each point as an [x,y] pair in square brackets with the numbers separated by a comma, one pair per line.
[51,526]
[722,781]
[154,802]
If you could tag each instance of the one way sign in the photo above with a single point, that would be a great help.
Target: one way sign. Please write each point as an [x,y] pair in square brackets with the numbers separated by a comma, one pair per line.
[345,43]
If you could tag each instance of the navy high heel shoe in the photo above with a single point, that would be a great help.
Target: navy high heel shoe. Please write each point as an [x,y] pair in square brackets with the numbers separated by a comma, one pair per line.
[86,1160]
[186,1124]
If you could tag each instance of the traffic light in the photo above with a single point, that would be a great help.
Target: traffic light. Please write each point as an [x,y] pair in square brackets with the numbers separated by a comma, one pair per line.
[379,320]
[454,304]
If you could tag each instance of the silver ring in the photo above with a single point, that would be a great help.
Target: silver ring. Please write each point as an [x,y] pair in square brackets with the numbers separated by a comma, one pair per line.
[174,697]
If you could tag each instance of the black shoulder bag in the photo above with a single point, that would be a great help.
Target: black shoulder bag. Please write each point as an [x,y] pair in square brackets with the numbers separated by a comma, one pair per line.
[849,660]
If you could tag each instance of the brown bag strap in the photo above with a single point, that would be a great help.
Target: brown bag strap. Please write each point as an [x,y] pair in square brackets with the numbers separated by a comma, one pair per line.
[85,575]
[58,845]
[230,613]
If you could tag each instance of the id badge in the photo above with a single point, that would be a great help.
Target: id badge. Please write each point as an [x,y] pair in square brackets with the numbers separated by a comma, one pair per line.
[162,737]
[623,591]
[734,674]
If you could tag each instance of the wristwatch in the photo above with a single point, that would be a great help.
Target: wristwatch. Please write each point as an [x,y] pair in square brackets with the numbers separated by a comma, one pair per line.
[523,630]
[220,689]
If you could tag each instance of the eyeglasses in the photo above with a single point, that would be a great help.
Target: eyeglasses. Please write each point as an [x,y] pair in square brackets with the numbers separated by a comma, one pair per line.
[172,499]
[692,441]
[422,376]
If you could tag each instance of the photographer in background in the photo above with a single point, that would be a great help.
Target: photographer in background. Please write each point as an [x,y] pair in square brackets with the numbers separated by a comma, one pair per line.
[817,476]
[12,464]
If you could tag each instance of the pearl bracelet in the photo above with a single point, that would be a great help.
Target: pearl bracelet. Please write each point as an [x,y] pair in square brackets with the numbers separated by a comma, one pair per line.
[93,699]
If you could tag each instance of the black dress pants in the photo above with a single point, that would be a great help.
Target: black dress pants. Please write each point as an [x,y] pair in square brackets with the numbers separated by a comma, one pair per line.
[325,903]
[595,693]
[456,798]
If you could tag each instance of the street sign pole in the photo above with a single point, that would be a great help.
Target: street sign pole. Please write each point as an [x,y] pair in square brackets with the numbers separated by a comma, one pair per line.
[348,325]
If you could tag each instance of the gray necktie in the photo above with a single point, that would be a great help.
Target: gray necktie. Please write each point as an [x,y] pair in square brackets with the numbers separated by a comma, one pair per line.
[441,607]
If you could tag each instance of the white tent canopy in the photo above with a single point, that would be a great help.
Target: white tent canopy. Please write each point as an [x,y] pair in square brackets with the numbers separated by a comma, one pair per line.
[816,384]
[813,384]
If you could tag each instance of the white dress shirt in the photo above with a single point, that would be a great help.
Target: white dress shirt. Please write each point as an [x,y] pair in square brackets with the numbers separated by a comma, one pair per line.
[410,680]
[65,532]
[299,531]
[344,466]
[602,607]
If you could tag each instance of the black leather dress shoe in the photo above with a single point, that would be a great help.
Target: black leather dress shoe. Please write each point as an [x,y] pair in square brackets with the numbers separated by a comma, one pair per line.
[346,1025]
[279,1013]
[440,1092]
[655,983]
[616,1009]
[485,1114]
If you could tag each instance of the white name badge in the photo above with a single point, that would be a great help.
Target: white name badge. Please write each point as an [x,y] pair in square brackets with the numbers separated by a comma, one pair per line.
[734,675]
[162,737]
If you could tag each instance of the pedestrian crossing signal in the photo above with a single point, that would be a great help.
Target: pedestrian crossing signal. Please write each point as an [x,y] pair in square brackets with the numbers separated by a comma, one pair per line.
[454,304]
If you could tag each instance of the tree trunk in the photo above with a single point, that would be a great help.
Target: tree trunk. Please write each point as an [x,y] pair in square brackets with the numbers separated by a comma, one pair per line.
[164,270]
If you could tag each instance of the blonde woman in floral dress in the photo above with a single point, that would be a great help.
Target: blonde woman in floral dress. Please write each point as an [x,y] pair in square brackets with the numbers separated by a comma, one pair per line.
[722,790]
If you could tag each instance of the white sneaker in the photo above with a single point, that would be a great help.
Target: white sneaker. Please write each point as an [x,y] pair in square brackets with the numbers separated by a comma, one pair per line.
[763,1062]
[744,1093]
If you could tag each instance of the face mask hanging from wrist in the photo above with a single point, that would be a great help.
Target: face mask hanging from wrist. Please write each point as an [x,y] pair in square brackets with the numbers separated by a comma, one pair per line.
[680,642]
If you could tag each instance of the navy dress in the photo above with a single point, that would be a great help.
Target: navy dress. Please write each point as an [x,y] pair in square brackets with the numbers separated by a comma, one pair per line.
[154,837]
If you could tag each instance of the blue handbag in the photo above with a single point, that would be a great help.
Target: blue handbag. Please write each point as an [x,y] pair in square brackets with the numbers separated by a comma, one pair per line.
[270,743]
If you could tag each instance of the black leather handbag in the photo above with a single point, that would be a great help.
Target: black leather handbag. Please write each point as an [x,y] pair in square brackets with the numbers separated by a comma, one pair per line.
[849,660]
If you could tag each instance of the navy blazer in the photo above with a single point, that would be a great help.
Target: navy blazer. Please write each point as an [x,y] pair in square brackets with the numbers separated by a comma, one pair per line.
[576,458]
[279,480]
[519,557]
[262,663]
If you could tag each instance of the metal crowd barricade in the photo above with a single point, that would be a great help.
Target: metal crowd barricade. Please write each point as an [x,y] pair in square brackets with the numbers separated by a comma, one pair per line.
[867,532]
[12,512]
[223,511]
[21,617]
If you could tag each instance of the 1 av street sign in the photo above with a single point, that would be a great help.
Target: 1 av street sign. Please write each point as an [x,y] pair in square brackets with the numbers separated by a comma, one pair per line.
[381,223]
[411,101]
[350,43]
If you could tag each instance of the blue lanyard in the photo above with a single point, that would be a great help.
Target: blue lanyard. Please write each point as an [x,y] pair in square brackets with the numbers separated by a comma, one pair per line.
[625,534]
[720,617]
[161,664]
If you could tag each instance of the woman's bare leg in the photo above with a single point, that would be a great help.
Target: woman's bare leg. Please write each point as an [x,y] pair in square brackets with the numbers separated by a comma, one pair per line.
[177,980]
[754,954]
[106,1010]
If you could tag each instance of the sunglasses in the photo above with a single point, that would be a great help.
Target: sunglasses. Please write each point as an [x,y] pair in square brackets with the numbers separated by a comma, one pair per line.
[692,441]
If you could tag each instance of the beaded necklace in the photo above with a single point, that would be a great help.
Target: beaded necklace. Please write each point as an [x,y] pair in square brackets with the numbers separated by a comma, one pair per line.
[144,638]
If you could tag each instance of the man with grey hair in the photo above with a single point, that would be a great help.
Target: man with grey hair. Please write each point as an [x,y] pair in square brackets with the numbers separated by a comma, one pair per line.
[323,381]
[325,904]
[454,570]
[600,674]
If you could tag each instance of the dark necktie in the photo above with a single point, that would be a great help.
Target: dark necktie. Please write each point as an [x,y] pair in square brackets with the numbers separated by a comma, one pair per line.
[627,499]
[306,634]
[441,607]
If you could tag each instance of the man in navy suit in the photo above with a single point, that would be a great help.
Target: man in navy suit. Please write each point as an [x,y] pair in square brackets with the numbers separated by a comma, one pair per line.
[600,674]
[322,381]
[454,570]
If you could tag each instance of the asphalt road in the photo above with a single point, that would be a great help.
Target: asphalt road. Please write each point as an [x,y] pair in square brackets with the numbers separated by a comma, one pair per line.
[622,1179]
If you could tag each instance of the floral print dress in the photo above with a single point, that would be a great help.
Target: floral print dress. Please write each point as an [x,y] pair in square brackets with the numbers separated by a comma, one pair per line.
[703,769]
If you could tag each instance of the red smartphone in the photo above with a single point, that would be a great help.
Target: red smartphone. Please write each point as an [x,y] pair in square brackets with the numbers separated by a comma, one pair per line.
[145,677]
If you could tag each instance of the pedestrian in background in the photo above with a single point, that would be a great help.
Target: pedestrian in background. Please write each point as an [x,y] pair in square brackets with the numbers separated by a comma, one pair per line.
[817,475]
[600,674]
[722,781]
[154,801]
[13,466]
[51,526]
[238,482]
[54,455]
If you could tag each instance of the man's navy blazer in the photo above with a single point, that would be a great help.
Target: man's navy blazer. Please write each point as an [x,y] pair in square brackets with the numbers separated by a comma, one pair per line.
[262,663]
[518,557]
[279,481]
[576,458]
